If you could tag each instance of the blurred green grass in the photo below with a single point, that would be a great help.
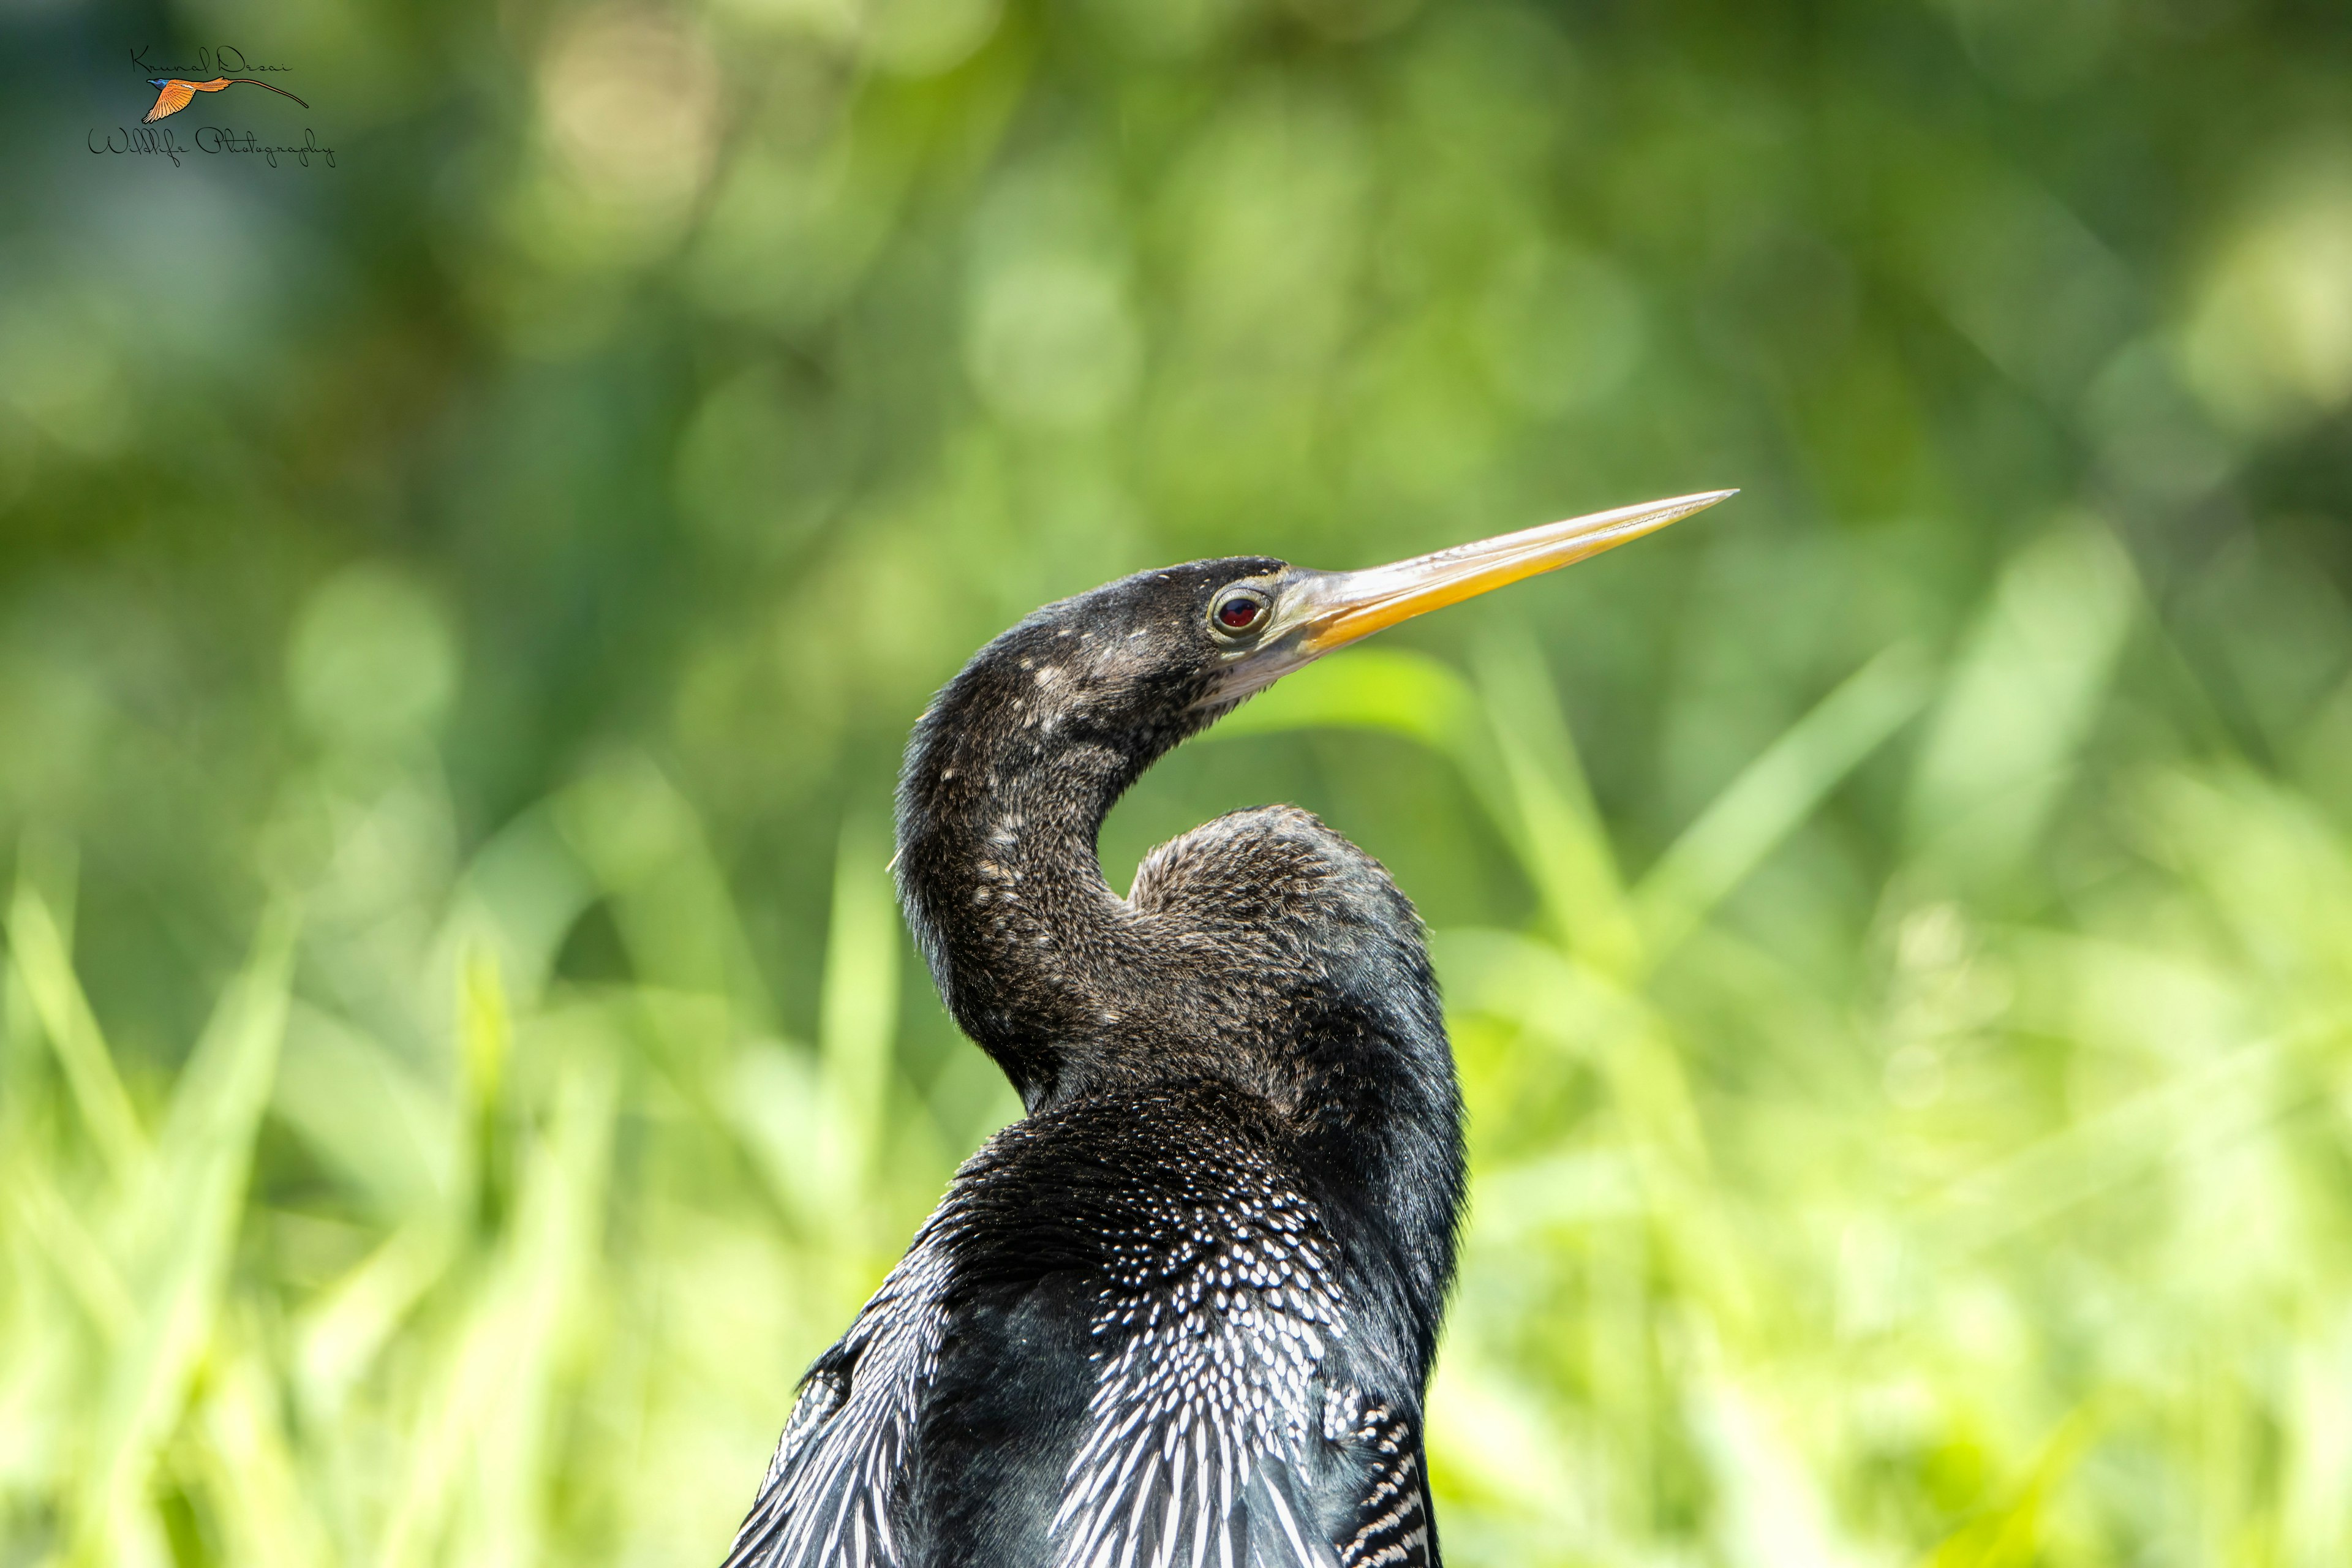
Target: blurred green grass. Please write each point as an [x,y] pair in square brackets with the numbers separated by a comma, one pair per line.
[459,614]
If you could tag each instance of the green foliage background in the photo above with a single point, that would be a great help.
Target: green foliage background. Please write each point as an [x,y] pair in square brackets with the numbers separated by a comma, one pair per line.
[459,609]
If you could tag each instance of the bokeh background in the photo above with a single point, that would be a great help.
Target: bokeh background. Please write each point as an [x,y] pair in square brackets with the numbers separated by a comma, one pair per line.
[459,609]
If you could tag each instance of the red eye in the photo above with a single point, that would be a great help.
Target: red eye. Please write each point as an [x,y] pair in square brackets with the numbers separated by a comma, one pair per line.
[1239,613]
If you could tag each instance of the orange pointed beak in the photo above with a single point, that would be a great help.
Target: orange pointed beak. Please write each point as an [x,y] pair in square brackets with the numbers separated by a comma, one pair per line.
[1316,612]
[1342,606]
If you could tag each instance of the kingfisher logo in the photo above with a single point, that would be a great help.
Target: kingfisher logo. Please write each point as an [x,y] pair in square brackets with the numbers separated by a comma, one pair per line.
[175,87]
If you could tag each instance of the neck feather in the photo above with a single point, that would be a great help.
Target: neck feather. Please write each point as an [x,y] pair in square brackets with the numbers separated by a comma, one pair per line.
[999,808]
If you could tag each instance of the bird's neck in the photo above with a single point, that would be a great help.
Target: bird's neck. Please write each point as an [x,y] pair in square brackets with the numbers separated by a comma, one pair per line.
[998,817]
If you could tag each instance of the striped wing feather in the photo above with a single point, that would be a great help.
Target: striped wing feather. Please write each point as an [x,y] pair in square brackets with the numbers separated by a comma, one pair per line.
[1393,1526]
[1217,1436]
[1183,1489]
[829,1498]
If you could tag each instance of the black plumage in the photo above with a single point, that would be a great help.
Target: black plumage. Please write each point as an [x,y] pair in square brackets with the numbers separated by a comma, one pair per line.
[1184,1311]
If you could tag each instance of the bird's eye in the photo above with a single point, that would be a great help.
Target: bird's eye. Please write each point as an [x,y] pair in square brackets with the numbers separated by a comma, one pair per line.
[1238,610]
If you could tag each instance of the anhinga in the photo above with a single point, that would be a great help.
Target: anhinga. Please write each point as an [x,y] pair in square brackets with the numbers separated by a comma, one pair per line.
[1183,1312]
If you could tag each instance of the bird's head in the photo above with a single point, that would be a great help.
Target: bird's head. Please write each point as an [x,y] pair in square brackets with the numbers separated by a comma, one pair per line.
[1120,674]
[159,82]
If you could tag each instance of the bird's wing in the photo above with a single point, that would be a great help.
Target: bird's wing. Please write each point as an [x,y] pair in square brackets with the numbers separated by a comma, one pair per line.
[171,101]
[827,1501]
[1225,1429]
[1195,1449]
[1191,1487]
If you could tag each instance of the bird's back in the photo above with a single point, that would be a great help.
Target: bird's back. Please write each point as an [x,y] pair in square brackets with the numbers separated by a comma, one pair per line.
[1130,1334]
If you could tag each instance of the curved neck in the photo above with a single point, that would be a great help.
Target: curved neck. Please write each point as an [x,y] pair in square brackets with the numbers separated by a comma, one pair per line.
[999,806]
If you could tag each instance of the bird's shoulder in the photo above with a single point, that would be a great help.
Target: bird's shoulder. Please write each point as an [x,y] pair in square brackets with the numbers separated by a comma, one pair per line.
[1184,1170]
